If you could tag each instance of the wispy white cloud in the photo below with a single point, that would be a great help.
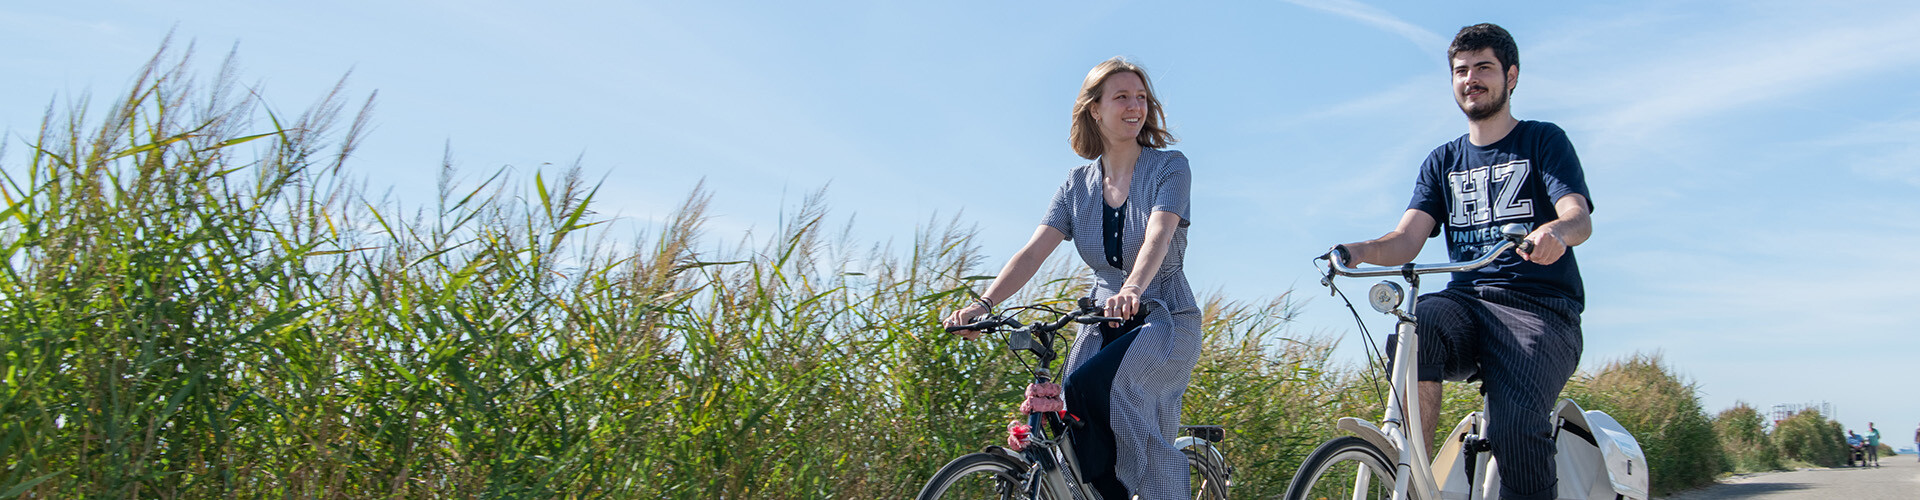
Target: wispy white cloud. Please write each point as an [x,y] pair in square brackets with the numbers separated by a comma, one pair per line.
[1425,40]
[1710,73]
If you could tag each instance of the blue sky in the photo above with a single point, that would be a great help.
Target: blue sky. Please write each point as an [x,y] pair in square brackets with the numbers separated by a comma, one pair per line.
[1755,164]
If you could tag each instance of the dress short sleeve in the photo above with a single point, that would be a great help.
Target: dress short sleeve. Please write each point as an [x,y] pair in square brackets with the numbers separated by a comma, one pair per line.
[1172,190]
[1060,212]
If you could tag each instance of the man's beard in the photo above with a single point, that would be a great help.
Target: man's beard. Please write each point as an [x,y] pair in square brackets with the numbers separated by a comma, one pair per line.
[1485,112]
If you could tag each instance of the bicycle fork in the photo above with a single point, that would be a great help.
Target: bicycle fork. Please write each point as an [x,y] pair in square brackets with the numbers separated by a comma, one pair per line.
[1402,423]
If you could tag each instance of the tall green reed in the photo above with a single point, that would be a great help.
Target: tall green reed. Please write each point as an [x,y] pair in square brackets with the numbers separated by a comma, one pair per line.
[200,302]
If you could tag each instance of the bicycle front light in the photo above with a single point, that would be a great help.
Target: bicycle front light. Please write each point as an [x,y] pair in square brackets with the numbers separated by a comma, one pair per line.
[1385,296]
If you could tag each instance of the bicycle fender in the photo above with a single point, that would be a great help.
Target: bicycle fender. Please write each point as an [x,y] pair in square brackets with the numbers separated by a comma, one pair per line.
[1366,430]
[1421,480]
[1201,444]
[1004,452]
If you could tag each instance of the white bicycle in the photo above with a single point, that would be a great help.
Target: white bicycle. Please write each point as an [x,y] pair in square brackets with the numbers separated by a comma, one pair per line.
[1596,457]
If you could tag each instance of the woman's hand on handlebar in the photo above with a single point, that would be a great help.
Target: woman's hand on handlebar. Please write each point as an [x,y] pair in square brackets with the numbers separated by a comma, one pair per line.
[1123,304]
[964,316]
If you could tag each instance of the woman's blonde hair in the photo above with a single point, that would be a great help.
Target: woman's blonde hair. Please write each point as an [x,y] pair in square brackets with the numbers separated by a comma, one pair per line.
[1085,134]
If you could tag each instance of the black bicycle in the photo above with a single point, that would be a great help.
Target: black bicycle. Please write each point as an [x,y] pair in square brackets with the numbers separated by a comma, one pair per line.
[1047,468]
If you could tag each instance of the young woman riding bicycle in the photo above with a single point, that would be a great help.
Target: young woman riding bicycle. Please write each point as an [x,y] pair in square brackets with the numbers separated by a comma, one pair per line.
[1126,213]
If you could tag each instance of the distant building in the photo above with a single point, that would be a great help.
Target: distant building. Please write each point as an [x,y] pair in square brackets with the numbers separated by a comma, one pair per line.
[1782,411]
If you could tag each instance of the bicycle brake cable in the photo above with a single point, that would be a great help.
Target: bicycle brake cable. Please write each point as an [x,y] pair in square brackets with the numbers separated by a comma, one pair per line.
[1010,350]
[1375,358]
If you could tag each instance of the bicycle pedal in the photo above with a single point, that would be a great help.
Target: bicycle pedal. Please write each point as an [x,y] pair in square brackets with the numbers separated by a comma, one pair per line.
[1476,444]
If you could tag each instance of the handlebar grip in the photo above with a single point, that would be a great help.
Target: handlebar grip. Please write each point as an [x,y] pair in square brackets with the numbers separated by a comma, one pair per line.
[1145,307]
[977,326]
[1526,246]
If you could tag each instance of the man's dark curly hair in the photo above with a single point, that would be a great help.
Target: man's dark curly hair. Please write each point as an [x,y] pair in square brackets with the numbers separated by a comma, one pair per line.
[1486,36]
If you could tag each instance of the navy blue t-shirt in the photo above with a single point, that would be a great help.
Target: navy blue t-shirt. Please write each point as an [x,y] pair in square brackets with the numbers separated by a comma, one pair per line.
[1472,191]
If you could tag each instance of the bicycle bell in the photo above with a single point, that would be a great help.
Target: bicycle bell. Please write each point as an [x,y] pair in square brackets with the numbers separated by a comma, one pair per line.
[1385,296]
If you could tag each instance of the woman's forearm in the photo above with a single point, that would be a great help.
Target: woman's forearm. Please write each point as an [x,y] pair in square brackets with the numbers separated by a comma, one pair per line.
[1024,263]
[1160,228]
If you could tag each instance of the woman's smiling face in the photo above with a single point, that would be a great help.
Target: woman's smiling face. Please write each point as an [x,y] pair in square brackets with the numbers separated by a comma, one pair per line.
[1123,107]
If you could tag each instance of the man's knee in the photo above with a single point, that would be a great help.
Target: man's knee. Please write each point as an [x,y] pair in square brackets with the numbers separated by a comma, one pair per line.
[1521,434]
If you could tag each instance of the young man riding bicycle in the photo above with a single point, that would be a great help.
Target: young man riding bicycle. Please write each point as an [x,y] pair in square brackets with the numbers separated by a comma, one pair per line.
[1514,325]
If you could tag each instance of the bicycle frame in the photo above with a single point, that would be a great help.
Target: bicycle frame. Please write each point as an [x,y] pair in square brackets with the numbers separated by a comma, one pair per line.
[1412,466]
[1055,470]
[1052,470]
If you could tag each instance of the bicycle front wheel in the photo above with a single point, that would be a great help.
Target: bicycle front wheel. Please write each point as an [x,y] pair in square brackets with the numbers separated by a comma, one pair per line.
[977,476]
[1209,476]
[1343,468]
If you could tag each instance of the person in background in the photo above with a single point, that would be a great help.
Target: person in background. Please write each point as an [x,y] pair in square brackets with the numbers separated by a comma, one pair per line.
[1854,453]
[1873,445]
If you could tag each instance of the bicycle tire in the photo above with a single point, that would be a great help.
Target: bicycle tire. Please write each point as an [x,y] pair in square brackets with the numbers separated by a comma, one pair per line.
[973,474]
[1209,479]
[1331,470]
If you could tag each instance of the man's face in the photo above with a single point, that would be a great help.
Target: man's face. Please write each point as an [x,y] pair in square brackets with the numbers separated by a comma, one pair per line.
[1479,86]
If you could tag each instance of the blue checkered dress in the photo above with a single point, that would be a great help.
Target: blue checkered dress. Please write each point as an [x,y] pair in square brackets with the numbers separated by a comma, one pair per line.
[1145,398]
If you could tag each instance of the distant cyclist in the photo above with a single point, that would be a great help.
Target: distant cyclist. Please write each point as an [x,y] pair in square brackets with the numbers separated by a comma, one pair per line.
[1126,214]
[1856,449]
[1514,325]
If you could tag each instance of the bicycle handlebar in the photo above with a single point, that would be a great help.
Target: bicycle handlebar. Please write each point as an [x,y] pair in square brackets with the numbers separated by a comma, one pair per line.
[1514,234]
[1087,314]
[985,325]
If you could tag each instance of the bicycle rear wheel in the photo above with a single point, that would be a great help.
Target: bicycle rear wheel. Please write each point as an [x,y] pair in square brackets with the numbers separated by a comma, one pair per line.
[1334,471]
[977,476]
[1208,478]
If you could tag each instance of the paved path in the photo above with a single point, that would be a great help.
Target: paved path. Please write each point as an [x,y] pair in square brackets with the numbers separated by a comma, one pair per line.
[1898,477]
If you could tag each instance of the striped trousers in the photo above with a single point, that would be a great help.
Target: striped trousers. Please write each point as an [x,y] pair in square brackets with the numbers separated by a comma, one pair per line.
[1522,347]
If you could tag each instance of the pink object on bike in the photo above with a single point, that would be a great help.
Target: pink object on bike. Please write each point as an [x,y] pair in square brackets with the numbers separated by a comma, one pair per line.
[1019,435]
[1043,398]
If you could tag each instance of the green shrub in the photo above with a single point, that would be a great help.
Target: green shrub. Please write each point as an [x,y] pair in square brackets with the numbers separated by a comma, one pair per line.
[1743,435]
[1662,412]
[1810,438]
